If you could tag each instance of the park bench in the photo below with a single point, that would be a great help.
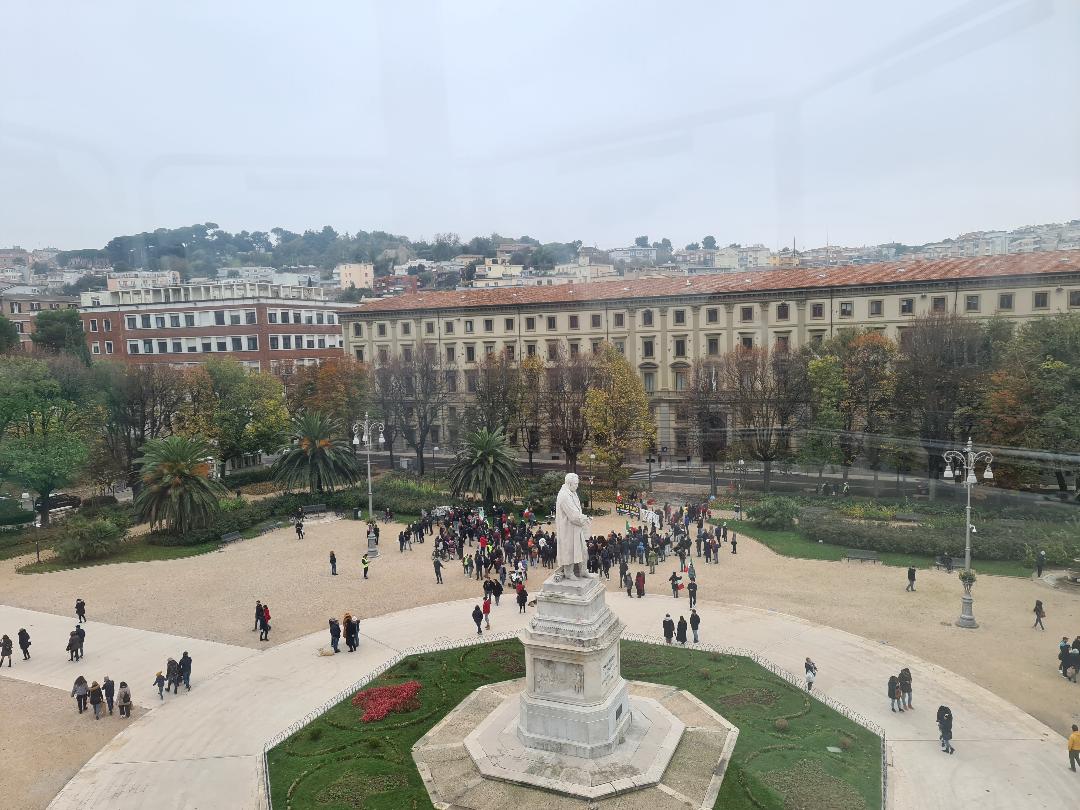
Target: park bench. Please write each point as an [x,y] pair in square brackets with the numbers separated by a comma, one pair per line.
[314,508]
[939,562]
[861,556]
[231,537]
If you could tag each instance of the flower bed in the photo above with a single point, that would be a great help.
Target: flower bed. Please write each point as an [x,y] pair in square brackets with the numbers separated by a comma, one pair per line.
[379,701]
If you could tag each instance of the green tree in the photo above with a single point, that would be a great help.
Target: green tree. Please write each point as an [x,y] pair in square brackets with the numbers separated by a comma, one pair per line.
[709,243]
[178,493]
[247,410]
[60,330]
[485,465]
[642,241]
[693,246]
[317,456]
[617,412]
[820,445]
[9,335]
[44,462]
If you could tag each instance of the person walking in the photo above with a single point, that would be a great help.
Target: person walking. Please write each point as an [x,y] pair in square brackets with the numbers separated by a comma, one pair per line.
[364,561]
[680,631]
[1040,614]
[522,598]
[639,584]
[333,564]
[347,627]
[894,694]
[80,691]
[905,689]
[5,650]
[96,699]
[172,676]
[652,560]
[944,722]
[810,668]
[734,542]
[24,643]
[80,610]
[695,623]
[1040,561]
[185,670]
[335,633]
[669,628]
[264,626]
[123,700]
[258,615]
[628,582]
[1074,748]
[438,570]
[299,530]
[478,617]
[486,609]
[910,579]
[81,634]
[159,682]
[73,645]
[691,591]
[674,579]
[108,688]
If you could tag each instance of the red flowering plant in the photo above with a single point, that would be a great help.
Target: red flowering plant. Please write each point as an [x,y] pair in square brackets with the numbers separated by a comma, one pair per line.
[379,701]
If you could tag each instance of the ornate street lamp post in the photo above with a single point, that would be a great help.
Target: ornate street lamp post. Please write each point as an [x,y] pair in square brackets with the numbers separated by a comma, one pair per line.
[962,463]
[367,428]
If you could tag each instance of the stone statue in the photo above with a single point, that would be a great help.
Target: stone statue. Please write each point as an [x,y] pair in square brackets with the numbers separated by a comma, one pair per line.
[571,531]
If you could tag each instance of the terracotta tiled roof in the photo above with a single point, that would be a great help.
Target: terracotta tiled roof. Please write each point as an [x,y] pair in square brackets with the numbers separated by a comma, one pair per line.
[802,278]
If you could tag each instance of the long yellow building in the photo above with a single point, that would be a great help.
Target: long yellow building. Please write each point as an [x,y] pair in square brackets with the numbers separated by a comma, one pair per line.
[663,325]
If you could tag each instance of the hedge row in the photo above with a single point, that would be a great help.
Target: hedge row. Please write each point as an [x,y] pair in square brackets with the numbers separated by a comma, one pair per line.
[253,475]
[989,543]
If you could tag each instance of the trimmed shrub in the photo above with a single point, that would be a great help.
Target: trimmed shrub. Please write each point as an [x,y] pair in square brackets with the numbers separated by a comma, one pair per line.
[84,540]
[12,513]
[775,514]
[781,724]
[254,475]
[97,501]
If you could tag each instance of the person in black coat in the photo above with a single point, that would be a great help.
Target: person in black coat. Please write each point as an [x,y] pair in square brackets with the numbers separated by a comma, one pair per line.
[944,721]
[669,628]
[680,631]
[24,644]
[478,617]
[695,623]
[185,671]
[522,599]
[108,688]
[335,633]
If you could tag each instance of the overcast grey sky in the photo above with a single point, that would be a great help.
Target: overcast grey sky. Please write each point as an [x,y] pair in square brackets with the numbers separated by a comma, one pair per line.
[599,121]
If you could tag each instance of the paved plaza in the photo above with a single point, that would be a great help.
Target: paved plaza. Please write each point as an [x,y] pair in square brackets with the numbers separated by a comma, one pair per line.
[203,748]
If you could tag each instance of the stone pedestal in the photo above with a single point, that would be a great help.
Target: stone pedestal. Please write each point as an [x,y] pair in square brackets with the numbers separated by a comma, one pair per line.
[575,700]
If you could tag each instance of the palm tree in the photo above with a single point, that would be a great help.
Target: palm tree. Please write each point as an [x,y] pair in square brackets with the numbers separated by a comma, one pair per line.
[178,492]
[313,458]
[485,465]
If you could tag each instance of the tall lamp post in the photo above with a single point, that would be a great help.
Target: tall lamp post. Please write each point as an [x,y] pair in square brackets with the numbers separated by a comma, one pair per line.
[962,463]
[434,450]
[367,428]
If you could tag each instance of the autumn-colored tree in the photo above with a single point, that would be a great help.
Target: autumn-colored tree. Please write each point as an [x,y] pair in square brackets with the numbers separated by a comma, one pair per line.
[338,388]
[869,380]
[820,440]
[617,413]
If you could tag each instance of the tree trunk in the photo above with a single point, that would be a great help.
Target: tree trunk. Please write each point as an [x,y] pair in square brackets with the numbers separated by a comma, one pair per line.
[877,485]
[766,474]
[712,478]
[531,471]
[43,512]
[1060,476]
[420,460]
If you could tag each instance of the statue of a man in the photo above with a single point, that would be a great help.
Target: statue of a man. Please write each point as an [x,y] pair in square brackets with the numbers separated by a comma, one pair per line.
[571,530]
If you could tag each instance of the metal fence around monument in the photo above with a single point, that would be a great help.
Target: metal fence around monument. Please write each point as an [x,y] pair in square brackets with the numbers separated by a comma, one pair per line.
[469,641]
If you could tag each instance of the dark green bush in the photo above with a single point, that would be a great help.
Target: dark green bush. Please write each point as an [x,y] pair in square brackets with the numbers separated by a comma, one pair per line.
[97,501]
[776,514]
[12,513]
[250,476]
[83,539]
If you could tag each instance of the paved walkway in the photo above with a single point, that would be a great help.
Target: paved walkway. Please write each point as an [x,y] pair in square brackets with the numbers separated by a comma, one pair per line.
[122,653]
[203,750]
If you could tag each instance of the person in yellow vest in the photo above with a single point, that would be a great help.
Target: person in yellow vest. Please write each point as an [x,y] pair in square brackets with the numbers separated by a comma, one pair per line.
[1074,747]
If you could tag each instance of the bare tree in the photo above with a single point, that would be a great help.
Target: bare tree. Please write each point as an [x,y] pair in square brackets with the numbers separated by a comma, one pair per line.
[768,394]
[706,406]
[565,392]
[497,397]
[423,390]
[387,399]
[530,409]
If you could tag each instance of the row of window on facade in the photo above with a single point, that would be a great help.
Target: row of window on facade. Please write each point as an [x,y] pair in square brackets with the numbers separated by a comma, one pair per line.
[221,317]
[747,314]
[16,307]
[233,343]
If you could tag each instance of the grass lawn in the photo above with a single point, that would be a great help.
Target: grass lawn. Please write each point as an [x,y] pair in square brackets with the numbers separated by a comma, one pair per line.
[791,543]
[135,550]
[336,762]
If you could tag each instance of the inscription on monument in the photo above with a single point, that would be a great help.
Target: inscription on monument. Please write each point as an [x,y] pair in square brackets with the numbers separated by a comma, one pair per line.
[555,678]
[609,670]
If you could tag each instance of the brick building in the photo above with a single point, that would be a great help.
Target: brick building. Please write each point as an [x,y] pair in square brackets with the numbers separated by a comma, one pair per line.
[21,304]
[264,326]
